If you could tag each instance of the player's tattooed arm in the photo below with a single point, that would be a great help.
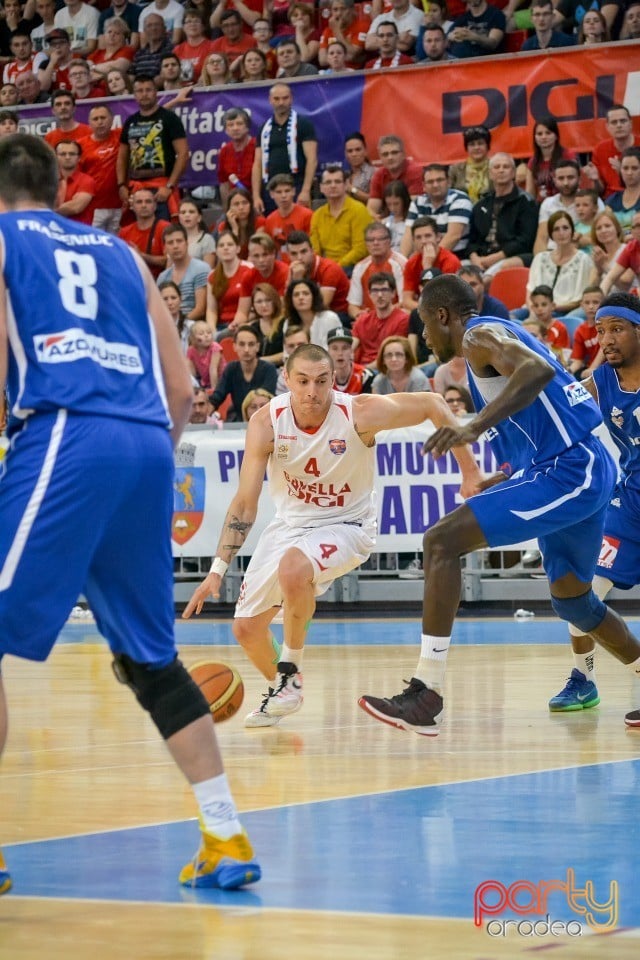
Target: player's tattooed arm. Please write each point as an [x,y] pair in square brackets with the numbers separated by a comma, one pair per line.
[237,531]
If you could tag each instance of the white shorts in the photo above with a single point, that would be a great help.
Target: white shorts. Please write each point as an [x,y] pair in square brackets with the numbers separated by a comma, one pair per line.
[333,550]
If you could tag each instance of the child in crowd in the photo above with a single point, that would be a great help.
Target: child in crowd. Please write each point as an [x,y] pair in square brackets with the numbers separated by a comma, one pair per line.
[586,354]
[204,356]
[397,201]
[586,207]
[555,332]
[170,293]
[289,215]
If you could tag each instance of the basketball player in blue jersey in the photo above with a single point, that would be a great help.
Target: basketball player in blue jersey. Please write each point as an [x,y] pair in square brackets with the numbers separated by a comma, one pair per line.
[554,483]
[616,388]
[98,390]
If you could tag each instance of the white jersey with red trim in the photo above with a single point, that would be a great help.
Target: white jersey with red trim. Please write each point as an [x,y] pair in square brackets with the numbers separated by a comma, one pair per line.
[320,477]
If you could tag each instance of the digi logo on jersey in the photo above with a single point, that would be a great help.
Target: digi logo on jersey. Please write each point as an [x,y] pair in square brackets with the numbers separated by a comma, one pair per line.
[67,346]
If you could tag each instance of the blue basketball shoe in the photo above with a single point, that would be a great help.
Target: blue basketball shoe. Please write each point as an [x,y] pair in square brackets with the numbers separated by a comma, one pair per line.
[5,877]
[225,864]
[578,694]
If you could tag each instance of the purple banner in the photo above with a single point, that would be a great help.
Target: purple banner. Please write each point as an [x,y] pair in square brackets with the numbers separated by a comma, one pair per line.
[333,105]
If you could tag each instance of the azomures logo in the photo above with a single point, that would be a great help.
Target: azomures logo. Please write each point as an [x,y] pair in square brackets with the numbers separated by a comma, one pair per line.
[70,345]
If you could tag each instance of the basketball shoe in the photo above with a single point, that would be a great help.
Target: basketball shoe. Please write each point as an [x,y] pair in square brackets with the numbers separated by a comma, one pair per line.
[261,716]
[5,877]
[286,696]
[225,864]
[418,708]
[631,719]
[578,694]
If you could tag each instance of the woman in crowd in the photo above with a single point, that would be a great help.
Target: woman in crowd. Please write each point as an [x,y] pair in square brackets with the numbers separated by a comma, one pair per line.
[170,293]
[266,306]
[301,18]
[459,400]
[241,218]
[224,287]
[360,170]
[116,53]
[472,175]
[253,66]
[201,243]
[547,150]
[565,269]
[593,29]
[397,201]
[215,71]
[607,243]
[625,203]
[397,368]
[118,84]
[253,401]
[204,356]
[303,307]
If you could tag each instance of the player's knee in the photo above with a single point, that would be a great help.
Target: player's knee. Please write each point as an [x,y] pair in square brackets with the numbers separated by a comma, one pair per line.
[586,611]
[435,545]
[169,695]
[294,571]
[244,631]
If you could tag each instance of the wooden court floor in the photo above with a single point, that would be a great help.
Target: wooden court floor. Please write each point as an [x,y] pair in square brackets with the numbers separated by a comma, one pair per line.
[372,842]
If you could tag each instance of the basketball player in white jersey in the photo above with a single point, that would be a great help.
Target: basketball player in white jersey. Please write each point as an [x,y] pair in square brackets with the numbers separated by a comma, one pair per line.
[317,445]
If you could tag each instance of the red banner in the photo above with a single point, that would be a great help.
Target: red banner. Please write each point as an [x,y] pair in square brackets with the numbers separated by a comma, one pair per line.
[429,106]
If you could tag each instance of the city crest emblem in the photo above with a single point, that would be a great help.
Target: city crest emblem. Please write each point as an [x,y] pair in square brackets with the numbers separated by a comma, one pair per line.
[188,502]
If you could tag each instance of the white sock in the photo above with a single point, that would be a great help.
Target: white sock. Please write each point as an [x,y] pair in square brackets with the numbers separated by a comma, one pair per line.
[433,661]
[287,655]
[585,663]
[217,809]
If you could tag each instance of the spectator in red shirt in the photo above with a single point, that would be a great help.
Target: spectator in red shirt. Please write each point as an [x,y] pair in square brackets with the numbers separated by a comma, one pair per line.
[241,219]
[82,87]
[63,108]
[348,376]
[233,42]
[345,25]
[306,264]
[249,11]
[266,269]
[77,190]
[395,166]
[53,74]
[227,305]
[99,155]
[429,255]
[556,334]
[145,235]
[385,320]
[235,159]
[388,53]
[25,59]
[289,215]
[604,168]
[193,50]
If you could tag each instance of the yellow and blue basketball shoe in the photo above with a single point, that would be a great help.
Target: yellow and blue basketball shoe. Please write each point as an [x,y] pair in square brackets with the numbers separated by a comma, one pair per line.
[5,877]
[225,864]
[578,694]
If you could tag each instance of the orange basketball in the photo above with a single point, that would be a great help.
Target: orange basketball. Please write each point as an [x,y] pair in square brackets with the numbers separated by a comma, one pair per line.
[222,687]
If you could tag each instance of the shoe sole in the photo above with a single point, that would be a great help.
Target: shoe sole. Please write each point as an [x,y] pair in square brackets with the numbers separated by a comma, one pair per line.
[228,876]
[251,723]
[575,706]
[632,724]
[281,710]
[399,724]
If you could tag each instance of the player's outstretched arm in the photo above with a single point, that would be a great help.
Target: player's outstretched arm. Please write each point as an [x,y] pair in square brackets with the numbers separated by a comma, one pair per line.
[242,510]
[490,350]
[373,412]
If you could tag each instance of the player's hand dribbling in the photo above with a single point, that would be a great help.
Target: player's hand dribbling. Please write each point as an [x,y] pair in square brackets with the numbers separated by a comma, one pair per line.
[210,586]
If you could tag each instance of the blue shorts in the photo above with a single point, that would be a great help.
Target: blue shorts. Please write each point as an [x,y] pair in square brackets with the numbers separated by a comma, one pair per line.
[562,503]
[619,559]
[85,507]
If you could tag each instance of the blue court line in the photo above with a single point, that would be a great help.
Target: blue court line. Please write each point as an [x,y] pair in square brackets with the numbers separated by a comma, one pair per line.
[364,632]
[421,851]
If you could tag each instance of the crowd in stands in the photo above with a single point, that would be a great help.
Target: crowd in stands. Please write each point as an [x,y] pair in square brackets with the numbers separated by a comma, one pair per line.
[337,256]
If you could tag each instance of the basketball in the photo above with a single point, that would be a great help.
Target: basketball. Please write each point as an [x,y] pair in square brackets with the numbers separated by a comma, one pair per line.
[222,687]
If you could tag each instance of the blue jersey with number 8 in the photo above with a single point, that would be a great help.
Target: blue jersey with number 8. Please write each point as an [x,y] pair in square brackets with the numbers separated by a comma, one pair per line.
[80,336]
